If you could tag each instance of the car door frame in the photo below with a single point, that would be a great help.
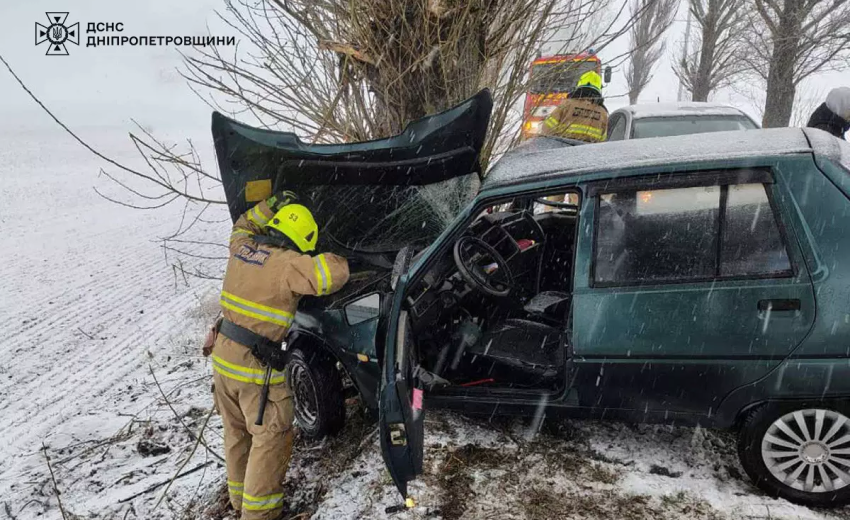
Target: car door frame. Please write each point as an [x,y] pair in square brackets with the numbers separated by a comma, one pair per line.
[395,410]
[446,240]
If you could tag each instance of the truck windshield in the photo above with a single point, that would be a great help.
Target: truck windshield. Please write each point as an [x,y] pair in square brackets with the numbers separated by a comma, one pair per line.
[553,78]
[684,125]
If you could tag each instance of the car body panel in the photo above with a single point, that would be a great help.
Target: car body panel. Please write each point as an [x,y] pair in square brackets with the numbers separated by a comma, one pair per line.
[686,345]
[350,344]
[820,367]
[532,163]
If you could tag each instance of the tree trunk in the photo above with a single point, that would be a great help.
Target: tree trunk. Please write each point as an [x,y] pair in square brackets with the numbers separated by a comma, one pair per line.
[702,81]
[446,70]
[781,89]
[701,87]
[780,96]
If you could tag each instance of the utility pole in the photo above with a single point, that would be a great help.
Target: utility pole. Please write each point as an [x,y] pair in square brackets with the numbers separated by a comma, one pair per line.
[685,50]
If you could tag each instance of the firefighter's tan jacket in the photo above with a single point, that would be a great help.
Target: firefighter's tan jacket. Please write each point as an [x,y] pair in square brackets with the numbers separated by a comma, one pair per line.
[261,290]
[580,119]
[263,285]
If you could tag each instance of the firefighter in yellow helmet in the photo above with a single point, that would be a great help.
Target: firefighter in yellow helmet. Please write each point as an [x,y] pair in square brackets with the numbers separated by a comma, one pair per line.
[269,270]
[583,115]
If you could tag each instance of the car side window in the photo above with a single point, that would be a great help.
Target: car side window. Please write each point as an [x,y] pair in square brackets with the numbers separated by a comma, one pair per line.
[752,243]
[617,128]
[678,235]
[363,309]
[657,235]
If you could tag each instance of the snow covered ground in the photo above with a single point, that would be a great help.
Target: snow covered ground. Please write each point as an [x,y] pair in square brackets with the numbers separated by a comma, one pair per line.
[102,385]
[89,306]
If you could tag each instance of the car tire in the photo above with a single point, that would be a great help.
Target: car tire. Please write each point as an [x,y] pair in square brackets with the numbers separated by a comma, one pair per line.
[804,467]
[317,389]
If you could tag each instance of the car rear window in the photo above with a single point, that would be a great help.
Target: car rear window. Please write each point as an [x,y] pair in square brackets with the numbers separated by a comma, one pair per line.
[685,125]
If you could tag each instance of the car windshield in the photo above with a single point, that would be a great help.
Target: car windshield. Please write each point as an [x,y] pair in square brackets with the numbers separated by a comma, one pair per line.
[547,78]
[684,125]
[384,218]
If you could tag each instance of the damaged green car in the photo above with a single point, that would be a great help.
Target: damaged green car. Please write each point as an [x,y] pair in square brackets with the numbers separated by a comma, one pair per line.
[684,280]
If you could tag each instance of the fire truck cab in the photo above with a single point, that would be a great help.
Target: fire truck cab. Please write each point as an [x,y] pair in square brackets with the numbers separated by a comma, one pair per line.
[551,79]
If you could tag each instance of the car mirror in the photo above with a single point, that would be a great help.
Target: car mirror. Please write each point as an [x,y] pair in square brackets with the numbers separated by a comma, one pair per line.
[364,309]
[607,74]
[402,263]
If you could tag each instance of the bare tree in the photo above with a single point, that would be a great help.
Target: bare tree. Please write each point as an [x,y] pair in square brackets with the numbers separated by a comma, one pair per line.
[344,71]
[716,61]
[340,70]
[652,19]
[792,39]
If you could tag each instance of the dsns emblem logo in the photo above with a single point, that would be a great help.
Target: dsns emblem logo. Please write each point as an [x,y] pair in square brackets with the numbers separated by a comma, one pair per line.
[57,33]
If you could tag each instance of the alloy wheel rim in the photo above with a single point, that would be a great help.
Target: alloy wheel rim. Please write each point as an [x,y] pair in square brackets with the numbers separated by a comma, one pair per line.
[306,406]
[809,450]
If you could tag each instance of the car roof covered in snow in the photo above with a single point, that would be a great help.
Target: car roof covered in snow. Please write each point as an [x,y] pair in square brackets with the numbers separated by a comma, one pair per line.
[680,109]
[544,158]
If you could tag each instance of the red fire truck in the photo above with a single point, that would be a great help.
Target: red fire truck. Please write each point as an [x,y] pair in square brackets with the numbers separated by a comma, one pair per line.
[551,80]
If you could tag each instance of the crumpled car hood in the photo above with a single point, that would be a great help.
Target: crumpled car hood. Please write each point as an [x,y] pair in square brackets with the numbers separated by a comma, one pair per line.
[368,197]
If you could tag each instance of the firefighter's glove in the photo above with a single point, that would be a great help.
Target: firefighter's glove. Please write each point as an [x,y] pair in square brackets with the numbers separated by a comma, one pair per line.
[209,343]
[281,199]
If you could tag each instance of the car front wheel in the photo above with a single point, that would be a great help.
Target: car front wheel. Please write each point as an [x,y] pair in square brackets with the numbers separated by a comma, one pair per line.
[799,451]
[317,388]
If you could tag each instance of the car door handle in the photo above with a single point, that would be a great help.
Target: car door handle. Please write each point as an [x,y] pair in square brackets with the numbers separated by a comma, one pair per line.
[779,305]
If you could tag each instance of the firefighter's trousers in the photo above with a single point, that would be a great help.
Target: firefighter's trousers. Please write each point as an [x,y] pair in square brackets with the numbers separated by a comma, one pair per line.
[257,456]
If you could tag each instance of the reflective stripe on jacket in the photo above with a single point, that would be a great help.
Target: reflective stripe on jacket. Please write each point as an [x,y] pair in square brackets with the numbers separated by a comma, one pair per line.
[264,283]
[580,119]
[245,374]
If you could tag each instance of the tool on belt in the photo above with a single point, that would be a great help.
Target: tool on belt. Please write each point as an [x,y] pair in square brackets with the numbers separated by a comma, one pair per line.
[269,353]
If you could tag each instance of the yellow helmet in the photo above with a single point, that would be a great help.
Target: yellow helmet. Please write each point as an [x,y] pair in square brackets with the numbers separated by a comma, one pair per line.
[297,223]
[590,79]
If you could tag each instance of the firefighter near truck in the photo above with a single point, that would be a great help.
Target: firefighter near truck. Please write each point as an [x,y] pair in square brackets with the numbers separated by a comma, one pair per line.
[551,78]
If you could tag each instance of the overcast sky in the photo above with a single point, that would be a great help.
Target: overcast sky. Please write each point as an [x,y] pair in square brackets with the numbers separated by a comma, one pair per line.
[103,86]
[106,87]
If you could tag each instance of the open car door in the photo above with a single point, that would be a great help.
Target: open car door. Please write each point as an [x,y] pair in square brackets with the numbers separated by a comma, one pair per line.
[400,412]
[369,198]
[401,415]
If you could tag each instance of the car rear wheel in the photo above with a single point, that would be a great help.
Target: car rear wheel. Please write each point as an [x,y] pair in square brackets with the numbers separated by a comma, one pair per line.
[317,388]
[799,451]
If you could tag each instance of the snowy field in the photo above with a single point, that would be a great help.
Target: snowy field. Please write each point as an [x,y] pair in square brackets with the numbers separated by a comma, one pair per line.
[103,391]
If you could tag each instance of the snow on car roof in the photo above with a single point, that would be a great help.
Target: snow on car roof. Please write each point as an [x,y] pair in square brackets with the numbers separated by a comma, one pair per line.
[680,109]
[542,158]
[829,146]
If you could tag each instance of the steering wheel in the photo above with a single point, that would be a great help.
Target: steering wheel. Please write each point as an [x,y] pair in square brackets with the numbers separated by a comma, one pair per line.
[480,265]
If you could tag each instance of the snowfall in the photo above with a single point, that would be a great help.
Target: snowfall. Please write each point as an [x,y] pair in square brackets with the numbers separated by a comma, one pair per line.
[103,389]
